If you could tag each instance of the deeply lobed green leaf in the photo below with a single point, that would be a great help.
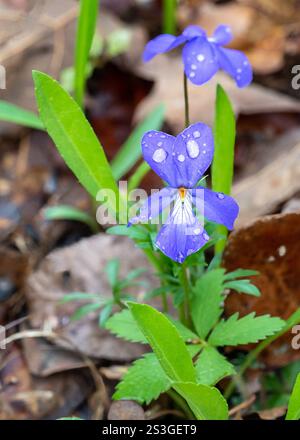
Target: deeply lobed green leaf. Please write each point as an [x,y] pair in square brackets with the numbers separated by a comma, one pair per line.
[247,329]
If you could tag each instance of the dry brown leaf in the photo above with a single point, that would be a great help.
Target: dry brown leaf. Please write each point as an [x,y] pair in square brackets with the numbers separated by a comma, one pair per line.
[273,413]
[23,396]
[276,181]
[269,245]
[80,268]
[167,73]
[126,410]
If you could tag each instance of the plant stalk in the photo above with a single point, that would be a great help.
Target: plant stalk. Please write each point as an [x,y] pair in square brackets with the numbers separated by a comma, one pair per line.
[186,101]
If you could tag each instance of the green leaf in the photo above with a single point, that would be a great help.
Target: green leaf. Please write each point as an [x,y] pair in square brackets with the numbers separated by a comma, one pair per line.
[131,151]
[144,381]
[78,296]
[206,301]
[247,329]
[240,273]
[84,38]
[17,115]
[85,310]
[134,232]
[293,412]
[211,366]
[105,314]
[207,403]
[125,326]
[223,161]
[74,137]
[224,136]
[112,270]
[185,333]
[165,341]
[243,286]
[66,212]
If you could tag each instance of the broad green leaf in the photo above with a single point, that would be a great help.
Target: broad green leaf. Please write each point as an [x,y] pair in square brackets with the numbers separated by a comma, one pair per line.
[84,37]
[78,296]
[211,366]
[293,412]
[131,151]
[207,403]
[223,161]
[165,341]
[243,286]
[125,326]
[240,273]
[17,115]
[85,310]
[249,328]
[66,212]
[144,381]
[206,301]
[74,137]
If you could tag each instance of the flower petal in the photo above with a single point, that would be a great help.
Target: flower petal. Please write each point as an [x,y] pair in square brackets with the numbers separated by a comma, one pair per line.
[162,43]
[192,154]
[222,35]
[182,235]
[157,150]
[218,207]
[200,60]
[193,31]
[236,64]
[154,205]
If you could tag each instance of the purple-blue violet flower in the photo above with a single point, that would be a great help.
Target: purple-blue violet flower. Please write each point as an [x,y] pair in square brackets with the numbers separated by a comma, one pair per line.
[181,161]
[203,56]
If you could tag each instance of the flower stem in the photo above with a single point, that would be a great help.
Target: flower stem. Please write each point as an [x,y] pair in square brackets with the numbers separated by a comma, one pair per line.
[186,101]
[185,316]
[169,16]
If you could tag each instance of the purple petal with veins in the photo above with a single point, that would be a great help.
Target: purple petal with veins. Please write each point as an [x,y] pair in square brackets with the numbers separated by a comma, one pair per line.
[192,154]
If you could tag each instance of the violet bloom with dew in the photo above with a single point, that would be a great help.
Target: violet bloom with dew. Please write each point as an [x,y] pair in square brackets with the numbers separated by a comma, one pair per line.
[203,56]
[181,161]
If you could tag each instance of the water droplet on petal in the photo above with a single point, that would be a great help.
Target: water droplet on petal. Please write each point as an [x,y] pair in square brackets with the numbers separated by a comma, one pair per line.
[205,236]
[200,57]
[192,74]
[204,151]
[197,231]
[220,196]
[181,158]
[196,134]
[239,70]
[159,144]
[193,67]
[193,149]
[159,155]
[245,63]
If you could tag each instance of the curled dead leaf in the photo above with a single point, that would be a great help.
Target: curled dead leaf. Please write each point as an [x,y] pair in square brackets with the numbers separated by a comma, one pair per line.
[269,245]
